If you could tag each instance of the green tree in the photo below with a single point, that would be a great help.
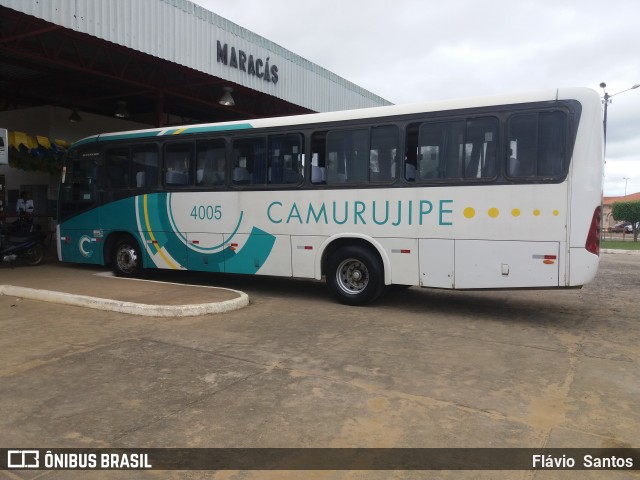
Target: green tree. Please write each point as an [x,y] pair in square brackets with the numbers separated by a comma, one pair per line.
[628,212]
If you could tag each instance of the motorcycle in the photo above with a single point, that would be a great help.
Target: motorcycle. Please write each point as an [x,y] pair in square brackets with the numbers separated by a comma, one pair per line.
[26,246]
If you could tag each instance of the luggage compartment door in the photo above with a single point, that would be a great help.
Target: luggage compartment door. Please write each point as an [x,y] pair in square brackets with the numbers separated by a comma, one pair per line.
[506,264]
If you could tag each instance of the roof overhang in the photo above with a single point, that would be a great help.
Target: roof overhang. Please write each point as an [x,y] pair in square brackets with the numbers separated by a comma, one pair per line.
[170,61]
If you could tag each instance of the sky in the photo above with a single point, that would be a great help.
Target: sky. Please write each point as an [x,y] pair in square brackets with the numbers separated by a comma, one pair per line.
[409,51]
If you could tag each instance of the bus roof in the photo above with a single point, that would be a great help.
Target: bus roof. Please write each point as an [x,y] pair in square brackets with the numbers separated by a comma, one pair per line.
[385,111]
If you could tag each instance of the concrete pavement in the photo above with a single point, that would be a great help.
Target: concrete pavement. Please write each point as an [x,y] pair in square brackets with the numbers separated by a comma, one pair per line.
[95,287]
[420,368]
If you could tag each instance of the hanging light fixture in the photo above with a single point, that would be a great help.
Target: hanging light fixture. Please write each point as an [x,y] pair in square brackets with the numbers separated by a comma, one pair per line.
[121,110]
[227,99]
[75,116]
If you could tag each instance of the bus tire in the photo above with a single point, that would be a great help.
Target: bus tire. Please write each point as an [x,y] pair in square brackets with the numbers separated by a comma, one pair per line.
[355,275]
[126,259]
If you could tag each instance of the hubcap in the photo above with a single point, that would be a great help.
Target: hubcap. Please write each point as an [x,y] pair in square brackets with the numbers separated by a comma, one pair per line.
[127,259]
[352,276]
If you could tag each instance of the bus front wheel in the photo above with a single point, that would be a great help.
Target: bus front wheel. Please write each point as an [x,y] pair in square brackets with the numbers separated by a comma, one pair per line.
[126,260]
[355,275]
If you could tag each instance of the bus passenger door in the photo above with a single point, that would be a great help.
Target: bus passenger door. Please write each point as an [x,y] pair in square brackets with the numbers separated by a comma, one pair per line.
[258,252]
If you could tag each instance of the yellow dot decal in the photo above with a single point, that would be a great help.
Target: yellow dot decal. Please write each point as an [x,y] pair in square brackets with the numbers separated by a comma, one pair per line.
[536,213]
[494,212]
[556,213]
[515,212]
[469,212]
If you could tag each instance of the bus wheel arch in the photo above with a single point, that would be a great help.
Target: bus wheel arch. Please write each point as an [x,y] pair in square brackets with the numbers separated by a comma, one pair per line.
[124,255]
[354,270]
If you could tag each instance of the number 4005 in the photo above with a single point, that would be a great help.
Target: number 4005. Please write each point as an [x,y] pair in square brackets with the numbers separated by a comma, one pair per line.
[206,212]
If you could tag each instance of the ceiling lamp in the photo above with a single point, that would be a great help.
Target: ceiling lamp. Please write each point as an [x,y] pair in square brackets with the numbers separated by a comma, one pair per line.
[75,116]
[227,99]
[121,110]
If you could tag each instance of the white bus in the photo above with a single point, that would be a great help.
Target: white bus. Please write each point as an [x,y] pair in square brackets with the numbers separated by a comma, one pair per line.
[487,193]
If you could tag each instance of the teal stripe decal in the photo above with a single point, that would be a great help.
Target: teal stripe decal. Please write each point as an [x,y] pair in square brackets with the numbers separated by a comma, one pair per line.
[252,256]
[84,141]
[164,132]
[214,128]
[124,136]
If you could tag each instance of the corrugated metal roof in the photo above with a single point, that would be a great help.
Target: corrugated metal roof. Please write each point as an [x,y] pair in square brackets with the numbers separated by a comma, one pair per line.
[187,34]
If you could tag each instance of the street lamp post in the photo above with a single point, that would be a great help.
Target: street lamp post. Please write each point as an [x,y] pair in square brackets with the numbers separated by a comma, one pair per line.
[607,101]
[626,179]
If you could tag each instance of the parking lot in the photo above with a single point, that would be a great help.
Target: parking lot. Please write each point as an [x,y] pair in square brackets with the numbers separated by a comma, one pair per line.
[420,368]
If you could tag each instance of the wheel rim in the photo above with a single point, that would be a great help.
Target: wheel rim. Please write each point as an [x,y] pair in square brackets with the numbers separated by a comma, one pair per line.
[127,259]
[352,276]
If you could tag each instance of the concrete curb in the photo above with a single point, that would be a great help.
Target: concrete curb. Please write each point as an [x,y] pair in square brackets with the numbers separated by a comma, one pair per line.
[147,310]
[128,307]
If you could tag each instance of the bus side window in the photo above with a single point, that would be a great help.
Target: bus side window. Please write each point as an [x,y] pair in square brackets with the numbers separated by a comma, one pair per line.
[210,163]
[318,158]
[285,159]
[522,145]
[118,167]
[145,165]
[178,159]
[481,147]
[249,161]
[410,155]
[455,148]
[348,156]
[442,150]
[551,144]
[383,153]
[427,151]
[537,145]
[458,149]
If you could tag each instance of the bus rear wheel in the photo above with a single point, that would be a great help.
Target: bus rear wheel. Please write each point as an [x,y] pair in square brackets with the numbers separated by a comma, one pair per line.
[126,260]
[355,275]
